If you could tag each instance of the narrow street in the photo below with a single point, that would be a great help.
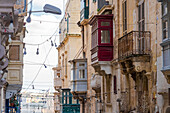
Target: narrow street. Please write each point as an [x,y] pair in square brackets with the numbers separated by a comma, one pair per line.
[85,56]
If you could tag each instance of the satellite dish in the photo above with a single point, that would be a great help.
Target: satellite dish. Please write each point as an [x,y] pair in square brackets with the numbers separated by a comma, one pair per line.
[51,9]
[2,51]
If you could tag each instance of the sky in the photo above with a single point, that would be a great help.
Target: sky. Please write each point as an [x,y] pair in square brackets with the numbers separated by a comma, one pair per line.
[43,26]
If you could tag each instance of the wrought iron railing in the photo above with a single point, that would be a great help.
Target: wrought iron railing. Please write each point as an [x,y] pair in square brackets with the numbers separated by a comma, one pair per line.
[134,43]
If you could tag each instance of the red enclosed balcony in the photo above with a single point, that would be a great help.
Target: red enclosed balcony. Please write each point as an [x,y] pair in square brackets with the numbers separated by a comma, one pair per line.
[101,38]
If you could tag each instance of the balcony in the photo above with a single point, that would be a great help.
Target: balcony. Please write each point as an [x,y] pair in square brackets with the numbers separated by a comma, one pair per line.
[57,83]
[102,43]
[84,14]
[78,76]
[134,50]
[134,44]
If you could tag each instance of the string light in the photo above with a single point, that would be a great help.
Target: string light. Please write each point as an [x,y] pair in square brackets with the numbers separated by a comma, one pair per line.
[45,66]
[33,87]
[9,39]
[37,51]
[52,43]
[25,51]
[55,45]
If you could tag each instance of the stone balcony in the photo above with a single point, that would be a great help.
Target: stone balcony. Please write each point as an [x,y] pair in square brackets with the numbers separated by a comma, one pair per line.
[134,50]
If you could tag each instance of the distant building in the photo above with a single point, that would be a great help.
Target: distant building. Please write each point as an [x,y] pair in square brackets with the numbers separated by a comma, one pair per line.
[123,65]
[37,102]
[70,44]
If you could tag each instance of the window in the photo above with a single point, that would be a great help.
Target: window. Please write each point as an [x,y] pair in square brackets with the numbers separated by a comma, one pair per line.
[165,34]
[14,52]
[105,23]
[165,29]
[68,96]
[164,9]
[166,56]
[165,21]
[105,36]
[82,4]
[141,17]
[81,71]
[124,7]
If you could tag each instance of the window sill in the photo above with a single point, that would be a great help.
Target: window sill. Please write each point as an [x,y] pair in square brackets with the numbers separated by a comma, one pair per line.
[165,42]
[165,68]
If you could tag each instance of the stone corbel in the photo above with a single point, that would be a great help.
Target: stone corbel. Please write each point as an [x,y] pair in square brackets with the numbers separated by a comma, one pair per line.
[103,68]
[167,75]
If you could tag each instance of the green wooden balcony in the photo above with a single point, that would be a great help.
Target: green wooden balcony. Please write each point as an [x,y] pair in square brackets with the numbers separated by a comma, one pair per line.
[84,14]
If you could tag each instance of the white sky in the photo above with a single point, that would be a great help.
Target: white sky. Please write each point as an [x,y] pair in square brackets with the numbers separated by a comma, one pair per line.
[39,31]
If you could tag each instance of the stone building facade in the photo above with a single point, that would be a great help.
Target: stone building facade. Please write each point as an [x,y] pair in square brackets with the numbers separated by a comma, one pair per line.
[12,32]
[126,47]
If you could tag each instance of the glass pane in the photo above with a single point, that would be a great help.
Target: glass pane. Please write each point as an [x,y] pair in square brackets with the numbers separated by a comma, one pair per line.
[82,73]
[64,100]
[68,98]
[166,56]
[105,36]
[81,4]
[72,74]
[105,23]
[164,9]
[165,30]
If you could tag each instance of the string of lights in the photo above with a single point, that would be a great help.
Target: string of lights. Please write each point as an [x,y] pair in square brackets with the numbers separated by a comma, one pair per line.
[43,63]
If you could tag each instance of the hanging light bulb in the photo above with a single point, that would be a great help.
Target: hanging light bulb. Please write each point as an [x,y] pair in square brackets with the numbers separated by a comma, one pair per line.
[29,16]
[33,87]
[60,31]
[9,39]
[37,51]
[11,26]
[55,45]
[25,51]
[52,43]
[45,66]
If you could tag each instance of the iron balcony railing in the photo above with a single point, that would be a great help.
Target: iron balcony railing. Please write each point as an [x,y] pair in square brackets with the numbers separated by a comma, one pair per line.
[84,14]
[134,43]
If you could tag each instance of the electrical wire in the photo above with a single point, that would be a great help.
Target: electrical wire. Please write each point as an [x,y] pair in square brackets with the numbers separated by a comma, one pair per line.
[41,66]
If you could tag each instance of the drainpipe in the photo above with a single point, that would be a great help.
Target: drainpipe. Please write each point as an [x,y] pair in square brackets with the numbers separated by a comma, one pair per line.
[83,105]
[82,32]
